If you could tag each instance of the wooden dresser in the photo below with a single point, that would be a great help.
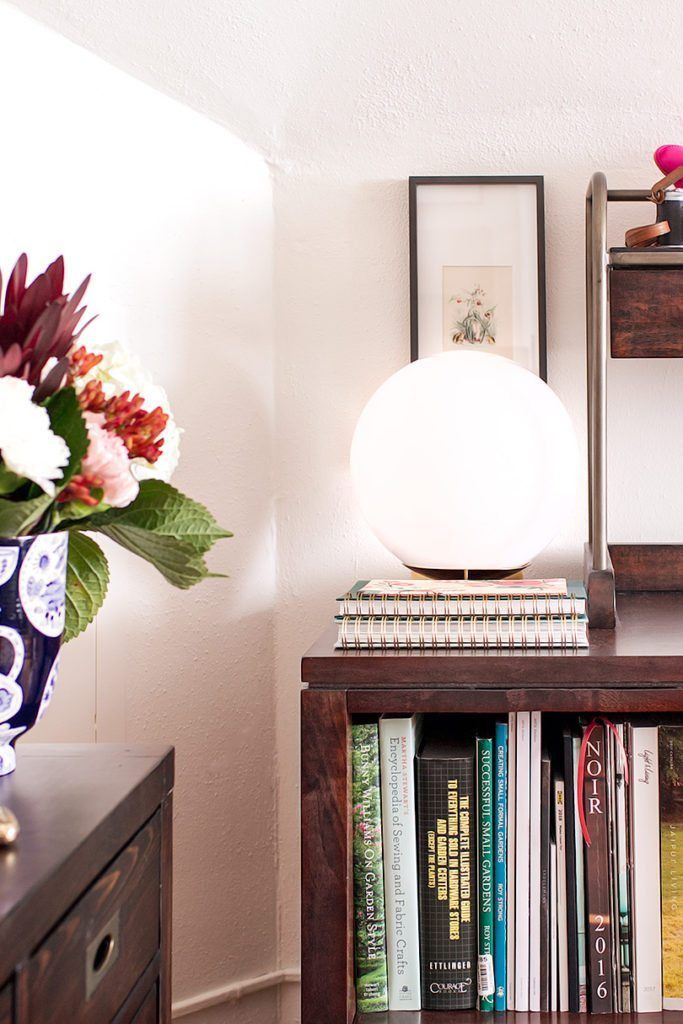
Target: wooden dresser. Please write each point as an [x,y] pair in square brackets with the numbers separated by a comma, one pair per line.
[85,892]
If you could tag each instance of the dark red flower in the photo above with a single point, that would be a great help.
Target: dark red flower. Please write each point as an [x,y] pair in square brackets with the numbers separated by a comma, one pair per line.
[39,323]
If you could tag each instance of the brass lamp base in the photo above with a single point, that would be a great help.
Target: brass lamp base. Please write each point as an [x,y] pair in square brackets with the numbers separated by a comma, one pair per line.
[467,574]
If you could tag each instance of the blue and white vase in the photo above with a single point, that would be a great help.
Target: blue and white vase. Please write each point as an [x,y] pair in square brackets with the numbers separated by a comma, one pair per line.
[32,606]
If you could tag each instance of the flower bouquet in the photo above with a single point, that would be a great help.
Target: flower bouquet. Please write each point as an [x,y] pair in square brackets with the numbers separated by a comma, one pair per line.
[88,445]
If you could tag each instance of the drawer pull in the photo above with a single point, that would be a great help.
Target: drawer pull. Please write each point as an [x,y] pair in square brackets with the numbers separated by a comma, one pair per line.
[103,952]
[101,955]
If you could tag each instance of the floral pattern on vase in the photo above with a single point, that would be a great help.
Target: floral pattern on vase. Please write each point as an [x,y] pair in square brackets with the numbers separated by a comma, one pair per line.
[32,606]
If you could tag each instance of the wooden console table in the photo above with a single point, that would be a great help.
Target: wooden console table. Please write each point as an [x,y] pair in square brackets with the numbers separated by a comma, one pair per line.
[85,892]
[636,667]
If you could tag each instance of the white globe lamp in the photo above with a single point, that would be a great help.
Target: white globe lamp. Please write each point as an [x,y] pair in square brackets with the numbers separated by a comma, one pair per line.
[465,464]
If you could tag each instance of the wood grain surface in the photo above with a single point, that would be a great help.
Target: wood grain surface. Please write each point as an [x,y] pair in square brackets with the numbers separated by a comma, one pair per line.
[128,891]
[645,649]
[648,566]
[327,983]
[646,311]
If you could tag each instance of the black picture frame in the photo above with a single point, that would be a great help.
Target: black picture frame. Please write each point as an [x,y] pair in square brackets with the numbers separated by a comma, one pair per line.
[414,182]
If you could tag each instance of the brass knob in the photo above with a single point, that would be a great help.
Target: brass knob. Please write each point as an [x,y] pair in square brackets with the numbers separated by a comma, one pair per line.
[9,826]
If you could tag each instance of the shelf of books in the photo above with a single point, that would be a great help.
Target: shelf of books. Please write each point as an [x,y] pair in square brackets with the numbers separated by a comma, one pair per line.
[526,863]
[490,831]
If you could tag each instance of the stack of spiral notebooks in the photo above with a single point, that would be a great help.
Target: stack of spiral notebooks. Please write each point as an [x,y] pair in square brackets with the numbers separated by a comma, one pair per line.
[463,614]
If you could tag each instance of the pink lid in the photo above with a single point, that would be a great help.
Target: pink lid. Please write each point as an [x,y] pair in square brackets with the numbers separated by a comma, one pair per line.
[668,158]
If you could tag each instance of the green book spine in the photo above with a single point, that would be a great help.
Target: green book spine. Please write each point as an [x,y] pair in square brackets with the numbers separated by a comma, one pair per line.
[368,873]
[485,813]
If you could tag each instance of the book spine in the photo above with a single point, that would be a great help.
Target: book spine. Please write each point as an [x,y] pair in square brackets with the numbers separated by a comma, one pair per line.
[671,804]
[553,927]
[645,881]
[535,863]
[562,952]
[613,868]
[546,785]
[371,958]
[522,816]
[447,882]
[580,881]
[397,741]
[511,851]
[623,882]
[572,918]
[601,994]
[500,868]
[485,877]
[647,932]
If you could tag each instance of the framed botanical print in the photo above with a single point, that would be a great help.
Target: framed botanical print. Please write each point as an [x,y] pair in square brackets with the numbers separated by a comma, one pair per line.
[477,267]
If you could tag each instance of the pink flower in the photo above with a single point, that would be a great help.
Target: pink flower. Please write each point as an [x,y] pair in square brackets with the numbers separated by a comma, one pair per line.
[107,459]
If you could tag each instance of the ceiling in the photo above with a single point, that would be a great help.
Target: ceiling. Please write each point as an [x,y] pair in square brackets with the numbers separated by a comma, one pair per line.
[341,78]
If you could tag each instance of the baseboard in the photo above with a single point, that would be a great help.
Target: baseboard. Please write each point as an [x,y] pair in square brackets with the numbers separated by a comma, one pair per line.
[234,991]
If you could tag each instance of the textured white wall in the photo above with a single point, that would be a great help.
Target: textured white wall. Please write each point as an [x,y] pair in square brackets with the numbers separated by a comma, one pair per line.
[174,217]
[347,100]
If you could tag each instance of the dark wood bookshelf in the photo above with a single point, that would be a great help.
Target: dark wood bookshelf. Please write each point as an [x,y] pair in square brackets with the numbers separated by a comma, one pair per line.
[635,668]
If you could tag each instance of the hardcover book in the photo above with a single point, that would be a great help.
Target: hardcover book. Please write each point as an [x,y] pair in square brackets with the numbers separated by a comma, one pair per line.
[522,863]
[546,786]
[572,907]
[368,878]
[500,867]
[553,925]
[580,879]
[535,863]
[623,880]
[646,889]
[486,986]
[398,739]
[597,878]
[511,852]
[447,865]
[671,805]
[561,847]
[615,958]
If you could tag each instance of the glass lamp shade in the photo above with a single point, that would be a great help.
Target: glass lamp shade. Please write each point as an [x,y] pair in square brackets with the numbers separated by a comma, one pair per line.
[465,461]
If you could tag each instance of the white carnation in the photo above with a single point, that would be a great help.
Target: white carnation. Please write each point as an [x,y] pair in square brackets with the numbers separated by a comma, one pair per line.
[28,446]
[121,370]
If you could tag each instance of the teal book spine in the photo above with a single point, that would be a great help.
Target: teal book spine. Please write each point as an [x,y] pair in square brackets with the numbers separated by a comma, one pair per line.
[368,874]
[486,983]
[500,867]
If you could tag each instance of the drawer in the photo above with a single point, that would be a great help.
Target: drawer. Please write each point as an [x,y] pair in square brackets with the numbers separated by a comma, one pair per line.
[7,1004]
[149,1011]
[85,969]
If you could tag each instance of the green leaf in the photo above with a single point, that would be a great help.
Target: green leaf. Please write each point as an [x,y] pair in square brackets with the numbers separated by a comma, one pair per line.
[87,579]
[72,513]
[66,419]
[19,517]
[176,560]
[166,512]
[9,481]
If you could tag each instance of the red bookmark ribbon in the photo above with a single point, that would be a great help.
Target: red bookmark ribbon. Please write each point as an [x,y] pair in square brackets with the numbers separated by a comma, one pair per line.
[581,772]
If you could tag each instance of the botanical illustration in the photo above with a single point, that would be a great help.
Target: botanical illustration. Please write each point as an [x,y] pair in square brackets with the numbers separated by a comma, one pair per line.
[477,309]
[476,324]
